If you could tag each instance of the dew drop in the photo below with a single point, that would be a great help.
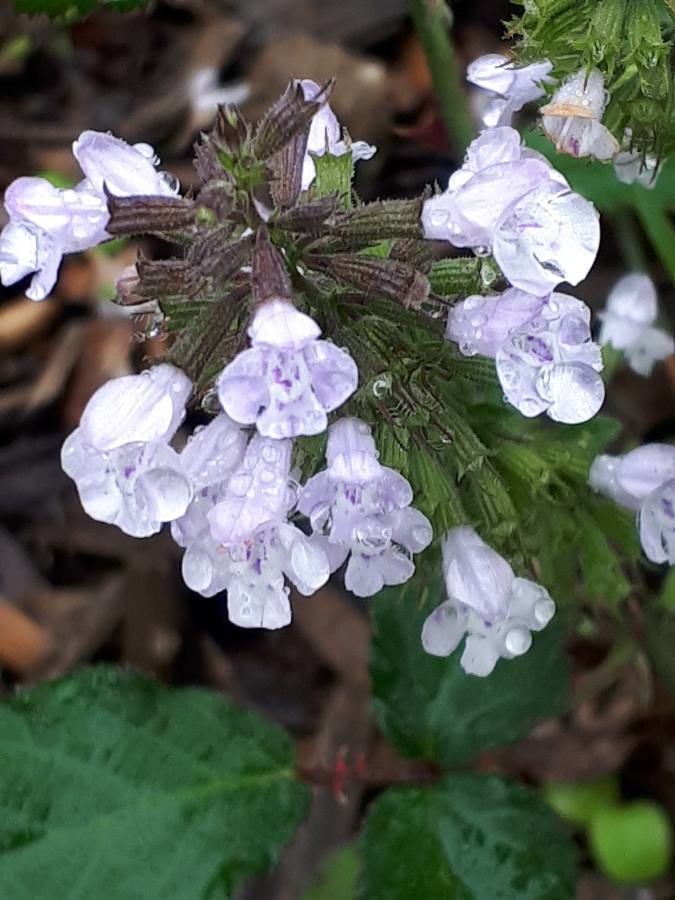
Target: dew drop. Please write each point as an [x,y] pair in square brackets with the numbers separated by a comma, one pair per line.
[518,641]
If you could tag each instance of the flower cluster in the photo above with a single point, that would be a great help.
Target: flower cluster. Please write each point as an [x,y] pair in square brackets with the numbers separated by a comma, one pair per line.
[487,603]
[46,222]
[628,323]
[643,480]
[511,201]
[546,360]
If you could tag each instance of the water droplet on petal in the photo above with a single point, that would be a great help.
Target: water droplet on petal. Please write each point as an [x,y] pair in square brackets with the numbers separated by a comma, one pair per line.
[518,641]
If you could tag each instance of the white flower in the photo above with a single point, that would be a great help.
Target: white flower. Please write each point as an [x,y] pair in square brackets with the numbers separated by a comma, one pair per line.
[288,380]
[237,534]
[572,118]
[550,364]
[487,603]
[325,136]
[627,323]
[47,222]
[643,480]
[511,87]
[510,200]
[360,509]
[126,473]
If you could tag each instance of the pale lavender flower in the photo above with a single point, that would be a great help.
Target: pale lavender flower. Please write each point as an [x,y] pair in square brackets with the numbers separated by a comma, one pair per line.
[209,458]
[643,480]
[572,118]
[124,170]
[47,222]
[481,324]
[325,136]
[628,323]
[550,364]
[254,546]
[360,509]
[125,472]
[486,602]
[289,379]
[509,200]
[511,87]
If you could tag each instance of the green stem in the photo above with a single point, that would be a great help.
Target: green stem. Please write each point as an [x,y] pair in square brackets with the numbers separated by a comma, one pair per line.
[431,19]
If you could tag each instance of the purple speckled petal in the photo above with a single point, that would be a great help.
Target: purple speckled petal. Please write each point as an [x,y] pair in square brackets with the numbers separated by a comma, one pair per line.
[303,415]
[482,324]
[318,493]
[256,495]
[443,630]
[334,373]
[656,522]
[242,388]
[645,469]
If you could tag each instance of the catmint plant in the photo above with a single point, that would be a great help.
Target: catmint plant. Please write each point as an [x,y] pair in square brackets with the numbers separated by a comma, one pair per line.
[343,429]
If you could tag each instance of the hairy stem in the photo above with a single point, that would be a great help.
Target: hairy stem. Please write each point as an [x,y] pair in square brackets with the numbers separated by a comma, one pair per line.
[431,23]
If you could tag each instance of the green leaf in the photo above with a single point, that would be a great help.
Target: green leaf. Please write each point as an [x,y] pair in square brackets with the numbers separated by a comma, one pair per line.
[334,176]
[429,707]
[114,786]
[74,9]
[470,837]
[338,877]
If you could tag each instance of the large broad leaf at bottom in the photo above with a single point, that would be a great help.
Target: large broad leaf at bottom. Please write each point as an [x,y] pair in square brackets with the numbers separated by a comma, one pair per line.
[470,837]
[429,707]
[113,786]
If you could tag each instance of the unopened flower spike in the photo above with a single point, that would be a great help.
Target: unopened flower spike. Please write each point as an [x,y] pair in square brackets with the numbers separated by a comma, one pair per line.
[628,323]
[288,380]
[643,480]
[511,87]
[359,509]
[120,459]
[572,119]
[487,604]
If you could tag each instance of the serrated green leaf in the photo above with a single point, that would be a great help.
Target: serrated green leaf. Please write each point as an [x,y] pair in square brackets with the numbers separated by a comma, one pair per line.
[114,786]
[470,837]
[429,707]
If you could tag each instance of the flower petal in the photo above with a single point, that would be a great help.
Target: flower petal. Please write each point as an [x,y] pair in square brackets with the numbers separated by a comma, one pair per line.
[279,324]
[443,630]
[124,170]
[656,522]
[645,469]
[576,392]
[411,529]
[334,373]
[242,389]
